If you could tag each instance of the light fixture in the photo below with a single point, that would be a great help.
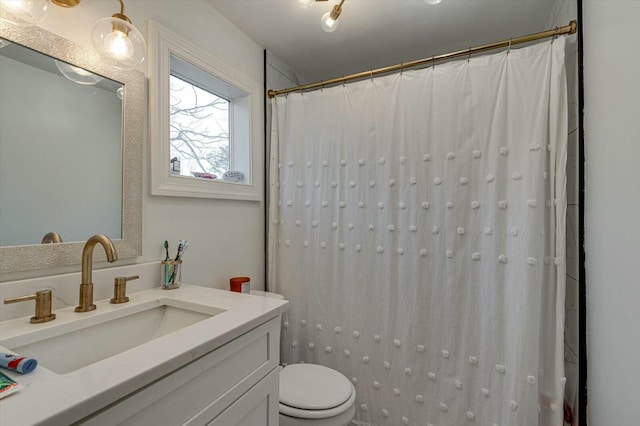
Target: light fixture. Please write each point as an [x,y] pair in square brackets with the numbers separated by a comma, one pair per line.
[30,12]
[24,12]
[117,41]
[329,20]
[433,2]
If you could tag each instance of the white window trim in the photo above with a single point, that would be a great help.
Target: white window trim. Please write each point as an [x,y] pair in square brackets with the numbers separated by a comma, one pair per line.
[162,44]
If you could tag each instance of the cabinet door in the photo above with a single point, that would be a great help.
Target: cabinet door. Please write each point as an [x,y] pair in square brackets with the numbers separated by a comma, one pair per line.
[199,391]
[257,407]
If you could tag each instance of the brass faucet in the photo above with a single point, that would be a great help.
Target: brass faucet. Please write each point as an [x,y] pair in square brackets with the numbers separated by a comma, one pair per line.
[86,286]
[43,305]
[51,238]
[120,289]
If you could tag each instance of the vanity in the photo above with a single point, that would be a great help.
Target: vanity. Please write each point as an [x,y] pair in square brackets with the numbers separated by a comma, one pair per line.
[195,356]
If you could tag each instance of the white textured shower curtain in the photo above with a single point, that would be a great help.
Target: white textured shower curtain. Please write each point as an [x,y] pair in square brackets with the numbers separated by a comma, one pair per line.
[417,225]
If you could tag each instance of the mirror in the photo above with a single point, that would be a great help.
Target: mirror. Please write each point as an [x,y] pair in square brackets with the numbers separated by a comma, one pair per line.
[204,141]
[71,134]
[42,182]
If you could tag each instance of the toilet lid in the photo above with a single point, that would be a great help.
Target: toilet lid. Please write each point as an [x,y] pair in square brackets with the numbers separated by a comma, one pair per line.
[313,387]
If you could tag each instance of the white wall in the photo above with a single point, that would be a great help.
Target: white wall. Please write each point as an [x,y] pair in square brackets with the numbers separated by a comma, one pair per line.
[612,209]
[226,238]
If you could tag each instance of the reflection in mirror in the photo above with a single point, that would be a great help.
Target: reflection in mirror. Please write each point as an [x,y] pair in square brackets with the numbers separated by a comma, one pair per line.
[61,145]
[79,75]
[51,238]
[71,135]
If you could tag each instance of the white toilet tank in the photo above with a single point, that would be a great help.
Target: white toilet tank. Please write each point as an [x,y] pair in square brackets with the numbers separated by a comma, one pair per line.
[266,294]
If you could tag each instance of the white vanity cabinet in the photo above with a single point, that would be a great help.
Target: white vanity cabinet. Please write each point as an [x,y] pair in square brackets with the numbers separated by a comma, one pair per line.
[236,384]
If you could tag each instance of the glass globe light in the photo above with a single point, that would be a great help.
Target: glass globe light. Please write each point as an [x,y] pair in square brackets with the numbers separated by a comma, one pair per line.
[24,12]
[118,42]
[433,2]
[329,24]
[119,45]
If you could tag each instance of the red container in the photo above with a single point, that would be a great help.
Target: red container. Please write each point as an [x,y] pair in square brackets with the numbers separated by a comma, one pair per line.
[240,284]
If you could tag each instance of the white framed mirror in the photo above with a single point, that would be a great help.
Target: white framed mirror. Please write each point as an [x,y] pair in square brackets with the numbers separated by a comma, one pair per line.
[204,136]
[80,131]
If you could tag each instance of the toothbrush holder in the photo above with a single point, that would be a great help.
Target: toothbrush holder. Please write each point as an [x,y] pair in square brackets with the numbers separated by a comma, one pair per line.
[170,274]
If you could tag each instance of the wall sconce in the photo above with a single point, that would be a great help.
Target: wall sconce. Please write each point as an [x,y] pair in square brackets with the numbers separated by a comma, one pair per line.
[24,12]
[30,12]
[329,20]
[117,41]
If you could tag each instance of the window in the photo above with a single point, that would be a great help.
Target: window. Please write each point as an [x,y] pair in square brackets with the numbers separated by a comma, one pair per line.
[204,123]
[199,136]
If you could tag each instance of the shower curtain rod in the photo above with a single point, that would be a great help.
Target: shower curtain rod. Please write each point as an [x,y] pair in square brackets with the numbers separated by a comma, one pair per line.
[567,29]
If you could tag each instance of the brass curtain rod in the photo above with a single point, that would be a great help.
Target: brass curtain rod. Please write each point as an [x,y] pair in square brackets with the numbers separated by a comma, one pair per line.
[571,28]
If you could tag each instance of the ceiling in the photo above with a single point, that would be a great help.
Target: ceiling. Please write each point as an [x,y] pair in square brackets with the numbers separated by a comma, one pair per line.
[376,33]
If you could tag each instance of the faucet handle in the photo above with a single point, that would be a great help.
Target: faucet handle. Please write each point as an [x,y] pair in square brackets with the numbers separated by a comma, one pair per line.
[120,289]
[43,305]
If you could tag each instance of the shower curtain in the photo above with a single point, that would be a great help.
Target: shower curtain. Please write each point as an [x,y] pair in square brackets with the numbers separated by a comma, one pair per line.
[417,226]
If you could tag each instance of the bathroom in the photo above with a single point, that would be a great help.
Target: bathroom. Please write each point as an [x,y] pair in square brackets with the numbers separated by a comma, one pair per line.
[227,237]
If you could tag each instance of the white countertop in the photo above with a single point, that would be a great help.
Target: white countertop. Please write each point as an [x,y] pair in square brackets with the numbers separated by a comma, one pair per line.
[53,399]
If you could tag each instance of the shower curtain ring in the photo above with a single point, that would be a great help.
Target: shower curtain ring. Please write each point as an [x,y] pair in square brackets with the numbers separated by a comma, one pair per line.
[401,68]
[433,62]
[343,82]
[371,75]
[469,57]
[509,48]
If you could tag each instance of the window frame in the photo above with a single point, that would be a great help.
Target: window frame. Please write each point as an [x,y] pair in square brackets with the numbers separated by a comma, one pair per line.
[244,118]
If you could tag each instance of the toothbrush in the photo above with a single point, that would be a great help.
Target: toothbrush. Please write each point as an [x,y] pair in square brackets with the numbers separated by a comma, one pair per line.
[182,246]
[167,270]
[166,249]
[181,249]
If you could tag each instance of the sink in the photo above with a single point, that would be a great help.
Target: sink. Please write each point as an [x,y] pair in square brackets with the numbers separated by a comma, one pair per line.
[83,341]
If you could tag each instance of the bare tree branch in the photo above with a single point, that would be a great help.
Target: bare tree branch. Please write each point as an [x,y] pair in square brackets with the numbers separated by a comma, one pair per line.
[199,128]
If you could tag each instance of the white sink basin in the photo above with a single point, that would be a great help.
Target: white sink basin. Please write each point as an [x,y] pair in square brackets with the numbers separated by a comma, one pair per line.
[106,332]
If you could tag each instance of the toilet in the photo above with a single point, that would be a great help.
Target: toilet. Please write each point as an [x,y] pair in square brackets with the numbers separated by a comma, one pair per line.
[313,395]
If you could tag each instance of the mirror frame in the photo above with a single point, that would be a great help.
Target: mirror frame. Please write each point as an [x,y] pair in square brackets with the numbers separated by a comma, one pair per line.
[40,256]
